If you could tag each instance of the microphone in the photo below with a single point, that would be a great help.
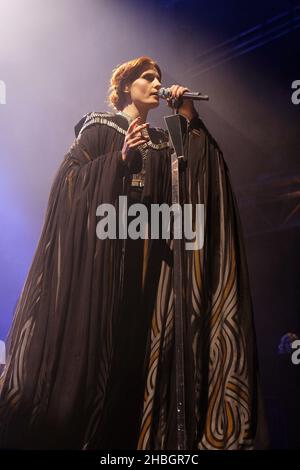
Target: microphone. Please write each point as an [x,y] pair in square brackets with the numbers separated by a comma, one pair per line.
[165,93]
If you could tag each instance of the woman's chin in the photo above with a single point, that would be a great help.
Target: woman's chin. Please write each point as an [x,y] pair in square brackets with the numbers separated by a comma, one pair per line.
[154,105]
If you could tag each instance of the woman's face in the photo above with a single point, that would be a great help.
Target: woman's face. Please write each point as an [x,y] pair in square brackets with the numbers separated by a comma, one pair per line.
[144,89]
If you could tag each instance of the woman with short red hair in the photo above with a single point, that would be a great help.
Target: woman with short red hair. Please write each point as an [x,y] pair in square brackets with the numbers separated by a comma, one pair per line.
[91,348]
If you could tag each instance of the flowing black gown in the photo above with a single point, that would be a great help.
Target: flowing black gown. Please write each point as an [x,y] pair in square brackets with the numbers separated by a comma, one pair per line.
[91,348]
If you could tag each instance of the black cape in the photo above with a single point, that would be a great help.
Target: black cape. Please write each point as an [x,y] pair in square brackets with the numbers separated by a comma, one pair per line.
[91,349]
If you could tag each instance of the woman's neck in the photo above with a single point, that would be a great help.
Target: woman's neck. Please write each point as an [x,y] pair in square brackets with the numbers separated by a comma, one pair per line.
[132,112]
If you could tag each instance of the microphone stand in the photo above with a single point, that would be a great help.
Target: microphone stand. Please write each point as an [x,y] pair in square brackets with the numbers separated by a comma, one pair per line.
[176,125]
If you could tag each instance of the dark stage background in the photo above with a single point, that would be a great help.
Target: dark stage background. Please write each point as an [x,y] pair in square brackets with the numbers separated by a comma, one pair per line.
[56,58]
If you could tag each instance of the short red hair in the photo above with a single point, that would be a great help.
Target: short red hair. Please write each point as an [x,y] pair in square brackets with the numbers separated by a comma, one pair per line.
[124,74]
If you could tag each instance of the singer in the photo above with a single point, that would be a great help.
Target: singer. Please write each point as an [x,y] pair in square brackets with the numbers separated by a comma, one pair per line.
[91,347]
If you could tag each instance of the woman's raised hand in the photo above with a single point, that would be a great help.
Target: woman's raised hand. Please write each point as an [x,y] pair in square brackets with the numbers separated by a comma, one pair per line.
[186,108]
[134,138]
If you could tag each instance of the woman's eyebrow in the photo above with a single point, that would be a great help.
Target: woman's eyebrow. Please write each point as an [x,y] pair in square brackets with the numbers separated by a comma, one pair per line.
[151,73]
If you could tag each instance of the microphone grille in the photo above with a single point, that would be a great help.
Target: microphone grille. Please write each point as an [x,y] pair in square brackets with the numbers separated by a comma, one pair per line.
[164,93]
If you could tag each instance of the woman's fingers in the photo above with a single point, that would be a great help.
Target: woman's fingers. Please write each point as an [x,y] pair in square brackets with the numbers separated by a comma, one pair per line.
[142,126]
[139,128]
[136,131]
[134,136]
[136,144]
[136,139]
[133,124]
[177,91]
[181,90]
[139,134]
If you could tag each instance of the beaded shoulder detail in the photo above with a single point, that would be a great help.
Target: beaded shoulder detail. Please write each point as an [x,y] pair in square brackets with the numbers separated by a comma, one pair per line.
[111,120]
[106,119]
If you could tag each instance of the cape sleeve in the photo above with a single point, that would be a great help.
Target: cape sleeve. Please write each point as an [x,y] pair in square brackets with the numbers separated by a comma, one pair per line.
[62,323]
[86,177]
[220,357]
[221,292]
